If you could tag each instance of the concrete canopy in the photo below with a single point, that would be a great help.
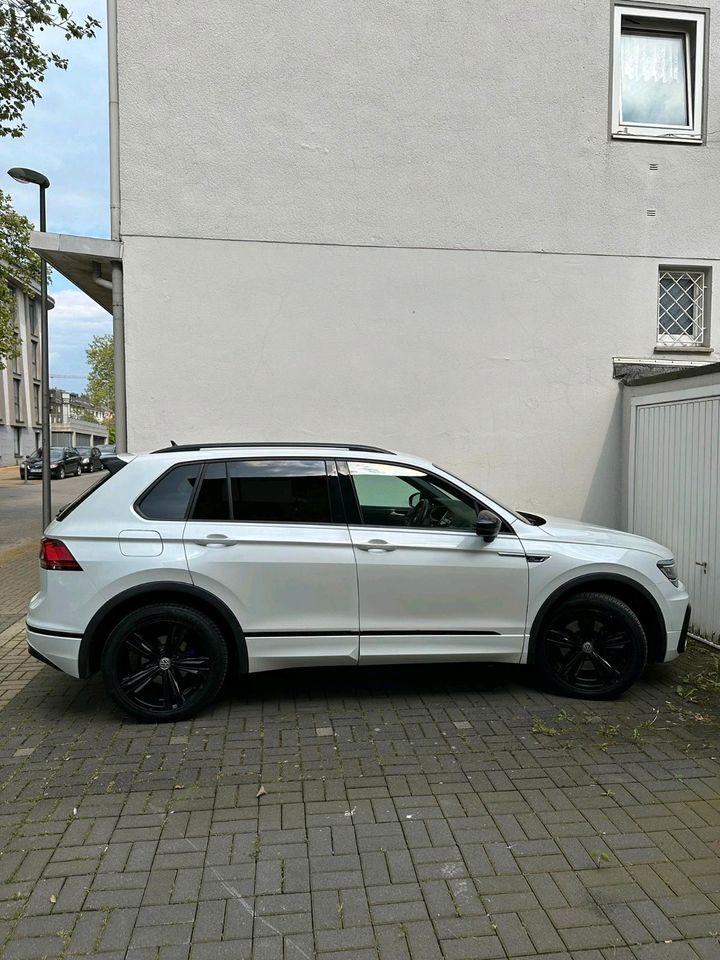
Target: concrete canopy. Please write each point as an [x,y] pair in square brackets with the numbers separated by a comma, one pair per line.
[85,261]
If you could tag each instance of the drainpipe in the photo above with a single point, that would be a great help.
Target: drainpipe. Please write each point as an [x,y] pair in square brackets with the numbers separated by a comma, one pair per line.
[118,309]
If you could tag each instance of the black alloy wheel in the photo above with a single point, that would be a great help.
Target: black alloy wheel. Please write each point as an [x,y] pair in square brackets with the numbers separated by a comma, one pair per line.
[164,662]
[61,473]
[592,646]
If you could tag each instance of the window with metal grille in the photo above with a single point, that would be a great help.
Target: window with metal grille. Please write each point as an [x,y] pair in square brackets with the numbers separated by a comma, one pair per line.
[682,313]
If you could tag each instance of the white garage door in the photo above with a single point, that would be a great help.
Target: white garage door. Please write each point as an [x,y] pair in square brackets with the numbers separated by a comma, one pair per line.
[674,492]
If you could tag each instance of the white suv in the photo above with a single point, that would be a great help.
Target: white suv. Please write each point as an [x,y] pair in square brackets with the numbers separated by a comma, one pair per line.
[191,562]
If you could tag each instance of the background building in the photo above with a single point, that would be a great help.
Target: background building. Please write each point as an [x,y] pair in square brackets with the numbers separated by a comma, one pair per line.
[20,384]
[441,227]
[75,422]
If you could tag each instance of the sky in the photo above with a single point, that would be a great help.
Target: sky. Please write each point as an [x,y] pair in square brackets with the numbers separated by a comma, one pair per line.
[67,139]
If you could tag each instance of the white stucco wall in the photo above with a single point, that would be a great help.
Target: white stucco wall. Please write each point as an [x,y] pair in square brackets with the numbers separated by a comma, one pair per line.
[453,250]
[405,122]
[495,365]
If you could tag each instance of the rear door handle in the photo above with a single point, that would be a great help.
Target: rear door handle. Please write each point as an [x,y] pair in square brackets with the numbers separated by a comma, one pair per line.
[215,540]
[376,546]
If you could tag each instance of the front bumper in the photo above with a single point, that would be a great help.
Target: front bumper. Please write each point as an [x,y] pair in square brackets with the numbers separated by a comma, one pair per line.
[677,621]
[58,649]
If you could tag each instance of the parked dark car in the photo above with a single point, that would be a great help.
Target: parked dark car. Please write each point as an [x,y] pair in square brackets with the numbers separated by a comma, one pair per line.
[106,450]
[64,462]
[90,459]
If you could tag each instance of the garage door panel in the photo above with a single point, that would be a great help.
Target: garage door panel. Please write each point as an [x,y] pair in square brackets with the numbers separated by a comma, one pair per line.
[674,495]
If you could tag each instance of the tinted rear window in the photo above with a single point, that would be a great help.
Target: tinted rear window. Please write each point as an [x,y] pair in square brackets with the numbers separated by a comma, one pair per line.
[212,501]
[280,491]
[170,497]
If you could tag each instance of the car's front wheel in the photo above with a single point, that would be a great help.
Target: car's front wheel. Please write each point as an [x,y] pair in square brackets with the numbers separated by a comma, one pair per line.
[591,646]
[164,662]
[61,473]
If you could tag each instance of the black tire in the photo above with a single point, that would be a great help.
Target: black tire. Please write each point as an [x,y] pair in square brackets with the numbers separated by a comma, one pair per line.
[141,662]
[61,473]
[591,646]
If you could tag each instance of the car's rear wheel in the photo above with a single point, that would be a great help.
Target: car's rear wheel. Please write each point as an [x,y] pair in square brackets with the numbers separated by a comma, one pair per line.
[591,646]
[164,662]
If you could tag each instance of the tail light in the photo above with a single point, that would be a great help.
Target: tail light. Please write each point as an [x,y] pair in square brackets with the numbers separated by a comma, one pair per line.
[54,555]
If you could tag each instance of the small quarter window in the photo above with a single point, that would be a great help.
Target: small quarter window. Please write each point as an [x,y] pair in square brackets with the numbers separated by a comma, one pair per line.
[168,499]
[280,491]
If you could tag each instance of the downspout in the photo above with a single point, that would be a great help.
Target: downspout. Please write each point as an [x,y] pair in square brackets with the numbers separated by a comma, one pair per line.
[118,308]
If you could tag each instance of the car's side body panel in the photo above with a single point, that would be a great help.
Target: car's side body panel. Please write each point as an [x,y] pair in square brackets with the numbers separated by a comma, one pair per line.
[292,587]
[437,594]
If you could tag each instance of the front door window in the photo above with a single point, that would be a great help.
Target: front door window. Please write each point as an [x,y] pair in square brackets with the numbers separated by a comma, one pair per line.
[390,495]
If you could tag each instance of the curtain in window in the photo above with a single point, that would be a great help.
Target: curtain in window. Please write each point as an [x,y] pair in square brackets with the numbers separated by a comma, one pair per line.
[654,79]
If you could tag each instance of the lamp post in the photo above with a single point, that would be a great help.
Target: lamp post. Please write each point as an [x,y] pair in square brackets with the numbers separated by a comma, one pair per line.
[24,175]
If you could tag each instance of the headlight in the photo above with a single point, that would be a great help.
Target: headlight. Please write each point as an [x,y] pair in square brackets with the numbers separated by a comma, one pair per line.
[669,568]
[86,460]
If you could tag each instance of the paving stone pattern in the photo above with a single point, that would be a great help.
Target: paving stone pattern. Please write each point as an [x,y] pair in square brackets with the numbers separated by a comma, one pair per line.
[413,813]
[18,582]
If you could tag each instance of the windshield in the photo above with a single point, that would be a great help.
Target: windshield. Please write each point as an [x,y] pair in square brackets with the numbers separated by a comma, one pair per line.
[106,448]
[54,452]
[85,451]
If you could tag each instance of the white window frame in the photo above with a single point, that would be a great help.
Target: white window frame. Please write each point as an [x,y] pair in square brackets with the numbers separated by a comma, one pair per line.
[688,22]
[699,339]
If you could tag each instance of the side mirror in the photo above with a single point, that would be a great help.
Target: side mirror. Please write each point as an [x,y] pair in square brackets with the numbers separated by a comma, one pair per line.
[487,525]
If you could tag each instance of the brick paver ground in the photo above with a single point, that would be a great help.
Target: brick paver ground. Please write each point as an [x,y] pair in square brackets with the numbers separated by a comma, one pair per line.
[18,581]
[417,812]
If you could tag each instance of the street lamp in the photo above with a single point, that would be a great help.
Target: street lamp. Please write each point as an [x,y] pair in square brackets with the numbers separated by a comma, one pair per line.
[24,175]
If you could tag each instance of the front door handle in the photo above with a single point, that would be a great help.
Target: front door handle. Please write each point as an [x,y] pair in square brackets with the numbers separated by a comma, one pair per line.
[376,546]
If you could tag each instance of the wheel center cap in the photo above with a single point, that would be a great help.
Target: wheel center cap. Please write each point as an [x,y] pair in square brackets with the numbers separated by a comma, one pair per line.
[164,663]
[587,648]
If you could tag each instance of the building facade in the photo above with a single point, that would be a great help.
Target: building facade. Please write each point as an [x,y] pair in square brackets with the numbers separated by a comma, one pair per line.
[436,226]
[75,421]
[20,402]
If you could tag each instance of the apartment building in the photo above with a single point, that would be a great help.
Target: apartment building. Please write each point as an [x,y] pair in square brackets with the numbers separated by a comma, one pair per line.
[20,403]
[447,227]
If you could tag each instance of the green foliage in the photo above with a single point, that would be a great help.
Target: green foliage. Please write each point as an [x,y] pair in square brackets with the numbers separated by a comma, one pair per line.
[16,260]
[101,381]
[23,61]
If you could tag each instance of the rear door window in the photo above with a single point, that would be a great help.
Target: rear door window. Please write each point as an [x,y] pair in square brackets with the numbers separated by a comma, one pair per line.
[280,491]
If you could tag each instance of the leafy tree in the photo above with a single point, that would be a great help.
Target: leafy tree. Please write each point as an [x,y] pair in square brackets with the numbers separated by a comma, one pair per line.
[23,59]
[101,381]
[16,260]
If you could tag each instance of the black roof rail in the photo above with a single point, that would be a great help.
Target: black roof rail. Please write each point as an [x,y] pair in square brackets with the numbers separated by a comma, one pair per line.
[190,447]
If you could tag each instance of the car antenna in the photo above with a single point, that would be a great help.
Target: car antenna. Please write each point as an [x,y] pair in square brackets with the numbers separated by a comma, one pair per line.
[172,443]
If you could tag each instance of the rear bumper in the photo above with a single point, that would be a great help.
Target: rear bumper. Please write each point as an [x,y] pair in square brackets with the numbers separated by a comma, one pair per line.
[58,649]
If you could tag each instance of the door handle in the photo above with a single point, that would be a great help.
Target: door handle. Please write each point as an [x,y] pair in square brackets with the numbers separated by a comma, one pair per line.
[376,546]
[215,540]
